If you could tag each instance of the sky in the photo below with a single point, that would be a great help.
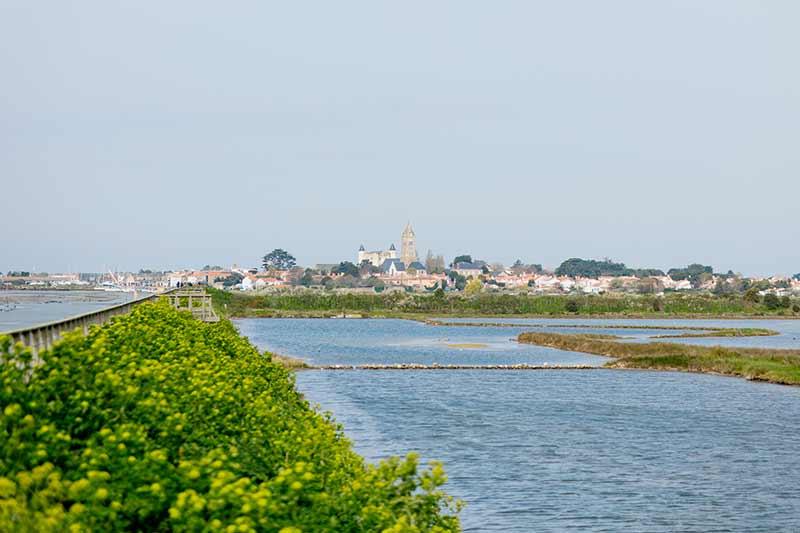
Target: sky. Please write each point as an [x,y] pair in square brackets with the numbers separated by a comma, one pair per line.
[177,134]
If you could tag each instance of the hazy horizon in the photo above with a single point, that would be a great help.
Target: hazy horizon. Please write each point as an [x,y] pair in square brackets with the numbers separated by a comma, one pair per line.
[160,136]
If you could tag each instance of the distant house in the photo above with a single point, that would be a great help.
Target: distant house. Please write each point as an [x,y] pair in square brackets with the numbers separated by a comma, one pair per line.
[418,267]
[511,280]
[268,281]
[590,285]
[566,283]
[547,282]
[466,269]
[393,267]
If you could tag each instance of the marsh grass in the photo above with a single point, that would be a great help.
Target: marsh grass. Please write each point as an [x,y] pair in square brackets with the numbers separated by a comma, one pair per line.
[290,363]
[467,345]
[773,365]
[722,332]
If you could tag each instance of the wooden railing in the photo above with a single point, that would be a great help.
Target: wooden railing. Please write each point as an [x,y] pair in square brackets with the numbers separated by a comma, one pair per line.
[43,336]
[193,299]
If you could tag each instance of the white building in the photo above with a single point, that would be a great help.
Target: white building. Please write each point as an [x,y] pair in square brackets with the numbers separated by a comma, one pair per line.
[376,257]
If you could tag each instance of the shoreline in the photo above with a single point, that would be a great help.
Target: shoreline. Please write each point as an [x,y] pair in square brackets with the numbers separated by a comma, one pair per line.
[424,317]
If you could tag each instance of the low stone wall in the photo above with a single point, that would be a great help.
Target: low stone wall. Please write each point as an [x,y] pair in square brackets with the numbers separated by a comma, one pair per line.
[414,366]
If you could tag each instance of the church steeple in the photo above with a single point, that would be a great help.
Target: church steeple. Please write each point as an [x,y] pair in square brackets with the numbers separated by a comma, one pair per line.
[408,252]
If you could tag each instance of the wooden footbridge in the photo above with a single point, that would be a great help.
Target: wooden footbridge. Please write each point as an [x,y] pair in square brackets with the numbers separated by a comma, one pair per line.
[198,301]
[42,337]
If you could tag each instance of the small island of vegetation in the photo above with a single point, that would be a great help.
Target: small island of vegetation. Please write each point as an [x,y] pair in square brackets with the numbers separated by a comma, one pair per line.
[773,365]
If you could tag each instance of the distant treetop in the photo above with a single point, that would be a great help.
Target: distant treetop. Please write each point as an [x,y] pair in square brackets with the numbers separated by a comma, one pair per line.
[590,268]
[279,259]
[347,268]
[695,273]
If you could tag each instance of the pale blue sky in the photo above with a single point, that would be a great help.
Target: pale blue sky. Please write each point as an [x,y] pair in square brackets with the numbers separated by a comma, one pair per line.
[164,134]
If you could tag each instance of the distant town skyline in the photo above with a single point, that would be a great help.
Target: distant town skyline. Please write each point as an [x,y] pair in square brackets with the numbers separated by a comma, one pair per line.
[654,134]
[254,261]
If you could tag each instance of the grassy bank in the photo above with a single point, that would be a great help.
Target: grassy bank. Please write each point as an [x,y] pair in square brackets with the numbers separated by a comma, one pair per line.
[158,422]
[318,303]
[776,366]
[291,363]
[685,331]
[721,332]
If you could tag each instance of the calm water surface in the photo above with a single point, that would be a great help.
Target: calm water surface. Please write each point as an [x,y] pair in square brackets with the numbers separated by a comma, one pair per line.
[342,341]
[788,329]
[596,450]
[21,309]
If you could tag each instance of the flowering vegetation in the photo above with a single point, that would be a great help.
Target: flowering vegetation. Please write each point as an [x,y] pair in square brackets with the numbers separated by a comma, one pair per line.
[156,421]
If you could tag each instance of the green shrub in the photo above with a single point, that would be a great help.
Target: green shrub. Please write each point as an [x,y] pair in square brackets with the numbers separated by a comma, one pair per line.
[158,422]
[239,304]
[771,301]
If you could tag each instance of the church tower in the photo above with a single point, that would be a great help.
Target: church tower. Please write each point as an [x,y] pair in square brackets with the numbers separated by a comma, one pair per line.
[408,250]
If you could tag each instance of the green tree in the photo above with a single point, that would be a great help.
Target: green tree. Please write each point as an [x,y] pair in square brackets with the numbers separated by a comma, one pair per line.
[722,287]
[752,295]
[307,279]
[589,268]
[474,286]
[278,259]
[434,264]
[374,282]
[234,279]
[771,301]
[572,306]
[347,268]
[695,273]
[365,268]
[462,259]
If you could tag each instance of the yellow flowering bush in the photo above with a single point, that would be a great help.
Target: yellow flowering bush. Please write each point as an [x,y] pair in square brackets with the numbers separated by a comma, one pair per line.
[156,421]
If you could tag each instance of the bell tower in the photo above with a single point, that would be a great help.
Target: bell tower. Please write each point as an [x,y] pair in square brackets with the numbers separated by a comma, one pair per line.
[408,253]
